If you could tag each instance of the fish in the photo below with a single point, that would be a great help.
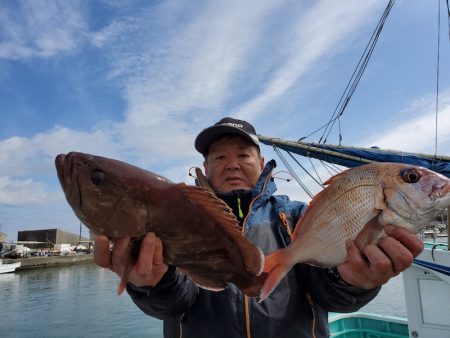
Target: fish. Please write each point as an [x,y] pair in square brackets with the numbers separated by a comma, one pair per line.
[199,232]
[356,204]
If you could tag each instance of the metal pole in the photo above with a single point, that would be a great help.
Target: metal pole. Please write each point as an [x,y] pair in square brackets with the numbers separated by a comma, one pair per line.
[312,148]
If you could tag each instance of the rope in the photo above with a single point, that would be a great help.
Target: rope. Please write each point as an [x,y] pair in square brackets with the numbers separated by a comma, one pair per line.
[448,15]
[354,79]
[357,74]
[314,167]
[437,75]
[304,169]
[294,175]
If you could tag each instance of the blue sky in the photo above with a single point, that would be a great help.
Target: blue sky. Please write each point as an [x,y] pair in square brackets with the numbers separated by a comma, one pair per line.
[137,80]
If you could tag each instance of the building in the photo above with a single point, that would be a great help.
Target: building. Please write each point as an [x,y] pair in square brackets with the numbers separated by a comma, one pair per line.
[2,237]
[50,237]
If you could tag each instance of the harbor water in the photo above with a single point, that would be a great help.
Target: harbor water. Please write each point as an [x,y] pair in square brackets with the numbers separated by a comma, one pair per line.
[71,301]
[81,301]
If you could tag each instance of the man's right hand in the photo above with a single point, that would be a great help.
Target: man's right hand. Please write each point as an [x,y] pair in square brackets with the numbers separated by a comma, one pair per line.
[148,269]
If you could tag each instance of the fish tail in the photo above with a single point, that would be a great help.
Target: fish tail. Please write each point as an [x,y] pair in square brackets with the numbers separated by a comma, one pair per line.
[276,265]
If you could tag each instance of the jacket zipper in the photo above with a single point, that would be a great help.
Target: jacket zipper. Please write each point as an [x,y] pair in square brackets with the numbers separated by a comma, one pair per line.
[311,304]
[286,224]
[246,300]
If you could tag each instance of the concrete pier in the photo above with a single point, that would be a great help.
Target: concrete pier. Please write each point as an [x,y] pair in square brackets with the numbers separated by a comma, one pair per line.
[38,262]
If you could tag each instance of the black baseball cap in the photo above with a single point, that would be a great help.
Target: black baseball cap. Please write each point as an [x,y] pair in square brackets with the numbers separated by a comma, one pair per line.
[226,125]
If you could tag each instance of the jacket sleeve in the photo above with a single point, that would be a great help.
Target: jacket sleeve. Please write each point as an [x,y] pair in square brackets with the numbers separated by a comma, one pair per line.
[172,296]
[331,292]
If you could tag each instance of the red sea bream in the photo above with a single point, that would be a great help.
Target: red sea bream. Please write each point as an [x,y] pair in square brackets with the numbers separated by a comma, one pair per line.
[357,204]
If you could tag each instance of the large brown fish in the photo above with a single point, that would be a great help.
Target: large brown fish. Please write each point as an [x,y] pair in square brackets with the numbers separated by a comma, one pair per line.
[357,204]
[199,232]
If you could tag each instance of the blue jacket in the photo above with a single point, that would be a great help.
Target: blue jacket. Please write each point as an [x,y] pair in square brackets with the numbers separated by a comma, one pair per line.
[298,307]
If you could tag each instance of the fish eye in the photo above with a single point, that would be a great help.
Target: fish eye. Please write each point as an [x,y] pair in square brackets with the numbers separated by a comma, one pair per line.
[411,176]
[98,177]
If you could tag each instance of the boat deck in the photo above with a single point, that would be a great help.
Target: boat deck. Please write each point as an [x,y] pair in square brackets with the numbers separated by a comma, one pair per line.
[364,325]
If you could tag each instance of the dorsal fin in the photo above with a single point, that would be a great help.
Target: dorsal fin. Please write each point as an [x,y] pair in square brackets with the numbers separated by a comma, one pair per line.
[202,180]
[221,212]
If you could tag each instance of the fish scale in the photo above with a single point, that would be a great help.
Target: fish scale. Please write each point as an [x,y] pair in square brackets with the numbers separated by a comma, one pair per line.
[355,205]
[346,214]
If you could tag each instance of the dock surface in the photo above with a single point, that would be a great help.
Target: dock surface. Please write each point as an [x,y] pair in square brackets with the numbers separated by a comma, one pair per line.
[37,262]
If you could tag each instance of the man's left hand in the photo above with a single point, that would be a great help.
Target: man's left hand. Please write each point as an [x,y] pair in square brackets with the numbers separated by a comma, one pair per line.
[376,264]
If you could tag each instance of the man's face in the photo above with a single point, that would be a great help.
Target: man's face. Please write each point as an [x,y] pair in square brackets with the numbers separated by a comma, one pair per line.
[233,163]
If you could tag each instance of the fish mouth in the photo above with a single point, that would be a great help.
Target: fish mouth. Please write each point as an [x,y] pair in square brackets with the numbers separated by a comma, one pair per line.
[64,169]
[59,164]
[443,191]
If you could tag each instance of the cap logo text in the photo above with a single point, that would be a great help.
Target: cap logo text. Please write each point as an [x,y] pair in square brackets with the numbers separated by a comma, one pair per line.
[238,125]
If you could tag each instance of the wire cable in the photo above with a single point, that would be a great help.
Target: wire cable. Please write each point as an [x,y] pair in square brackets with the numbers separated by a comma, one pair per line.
[437,75]
[357,74]
[354,79]
[294,175]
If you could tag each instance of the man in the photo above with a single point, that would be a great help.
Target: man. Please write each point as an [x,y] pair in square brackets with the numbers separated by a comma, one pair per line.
[299,305]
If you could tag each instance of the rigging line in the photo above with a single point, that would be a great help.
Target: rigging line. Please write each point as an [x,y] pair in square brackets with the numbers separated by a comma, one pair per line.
[335,167]
[294,175]
[304,169]
[448,11]
[340,134]
[437,75]
[448,17]
[359,70]
[374,38]
[331,166]
[314,167]
[326,167]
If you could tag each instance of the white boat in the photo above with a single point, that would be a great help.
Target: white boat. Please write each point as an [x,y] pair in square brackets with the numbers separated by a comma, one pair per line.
[427,292]
[8,267]
[427,295]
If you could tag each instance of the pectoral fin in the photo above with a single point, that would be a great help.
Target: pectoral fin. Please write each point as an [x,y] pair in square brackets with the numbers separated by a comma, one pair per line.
[370,232]
[134,248]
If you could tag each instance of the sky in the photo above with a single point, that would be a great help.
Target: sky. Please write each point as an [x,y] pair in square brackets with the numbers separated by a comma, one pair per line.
[138,80]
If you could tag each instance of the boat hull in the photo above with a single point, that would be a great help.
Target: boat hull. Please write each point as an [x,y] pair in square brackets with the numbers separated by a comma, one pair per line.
[427,290]
[7,268]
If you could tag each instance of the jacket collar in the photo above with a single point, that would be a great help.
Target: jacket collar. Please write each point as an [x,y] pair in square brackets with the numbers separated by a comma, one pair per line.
[265,186]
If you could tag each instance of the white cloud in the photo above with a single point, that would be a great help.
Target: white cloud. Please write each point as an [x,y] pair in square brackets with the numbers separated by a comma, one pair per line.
[22,156]
[40,28]
[22,192]
[321,32]
[415,129]
[192,65]
[183,76]
[110,32]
